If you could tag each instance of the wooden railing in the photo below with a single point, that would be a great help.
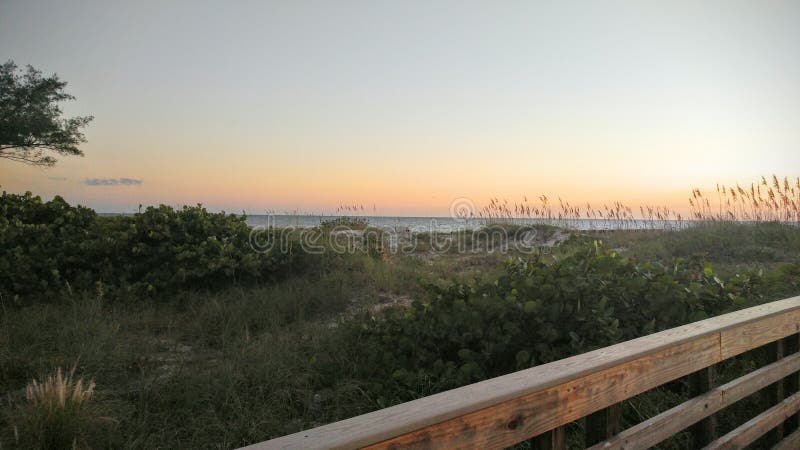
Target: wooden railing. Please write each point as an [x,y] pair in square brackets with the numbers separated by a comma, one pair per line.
[539,402]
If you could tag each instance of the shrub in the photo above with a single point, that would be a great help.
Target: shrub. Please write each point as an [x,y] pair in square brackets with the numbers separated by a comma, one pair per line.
[537,313]
[52,247]
[39,242]
[353,223]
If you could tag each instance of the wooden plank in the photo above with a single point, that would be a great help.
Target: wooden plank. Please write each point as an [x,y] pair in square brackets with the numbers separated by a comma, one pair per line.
[775,392]
[790,442]
[705,430]
[792,382]
[658,428]
[761,332]
[758,425]
[532,391]
[603,424]
[532,414]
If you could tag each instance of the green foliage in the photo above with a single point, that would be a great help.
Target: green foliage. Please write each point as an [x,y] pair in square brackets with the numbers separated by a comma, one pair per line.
[345,235]
[30,118]
[50,247]
[351,223]
[210,369]
[40,243]
[538,312]
[719,242]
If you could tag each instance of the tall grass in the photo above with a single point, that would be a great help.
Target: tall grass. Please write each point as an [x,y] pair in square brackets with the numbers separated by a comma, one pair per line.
[772,200]
[768,200]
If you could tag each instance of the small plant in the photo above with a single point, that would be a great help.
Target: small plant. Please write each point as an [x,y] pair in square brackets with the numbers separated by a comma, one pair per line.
[54,414]
[59,391]
[352,223]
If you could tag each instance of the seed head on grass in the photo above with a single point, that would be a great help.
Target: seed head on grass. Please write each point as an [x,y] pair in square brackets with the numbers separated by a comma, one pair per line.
[55,413]
[59,391]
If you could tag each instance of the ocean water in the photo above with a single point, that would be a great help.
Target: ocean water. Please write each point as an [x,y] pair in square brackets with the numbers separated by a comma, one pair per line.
[449,224]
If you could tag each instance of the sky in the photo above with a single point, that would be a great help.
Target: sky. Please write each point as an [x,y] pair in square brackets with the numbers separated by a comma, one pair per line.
[297,105]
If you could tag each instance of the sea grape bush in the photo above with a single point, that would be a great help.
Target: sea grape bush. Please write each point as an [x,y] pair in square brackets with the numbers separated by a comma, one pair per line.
[51,247]
[39,242]
[164,248]
[540,312]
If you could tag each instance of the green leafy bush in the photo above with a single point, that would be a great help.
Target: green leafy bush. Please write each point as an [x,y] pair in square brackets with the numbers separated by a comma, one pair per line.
[49,247]
[352,223]
[39,242]
[538,312]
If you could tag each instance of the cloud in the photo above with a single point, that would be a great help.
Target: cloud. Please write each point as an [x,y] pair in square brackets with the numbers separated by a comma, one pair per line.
[112,181]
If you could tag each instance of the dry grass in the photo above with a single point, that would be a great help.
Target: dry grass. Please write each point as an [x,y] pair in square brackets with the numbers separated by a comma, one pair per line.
[54,414]
[772,200]
[59,391]
[768,200]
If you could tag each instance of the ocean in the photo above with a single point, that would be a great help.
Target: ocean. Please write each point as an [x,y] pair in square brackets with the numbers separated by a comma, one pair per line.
[449,224]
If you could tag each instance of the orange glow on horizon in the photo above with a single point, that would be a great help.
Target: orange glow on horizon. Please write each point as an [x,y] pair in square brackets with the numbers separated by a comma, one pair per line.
[388,194]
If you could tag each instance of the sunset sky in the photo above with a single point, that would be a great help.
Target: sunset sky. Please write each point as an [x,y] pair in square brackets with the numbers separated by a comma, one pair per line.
[408,105]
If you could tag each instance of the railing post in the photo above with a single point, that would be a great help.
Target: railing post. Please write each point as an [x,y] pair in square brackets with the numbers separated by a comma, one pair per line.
[774,393]
[603,424]
[792,382]
[704,431]
[555,439]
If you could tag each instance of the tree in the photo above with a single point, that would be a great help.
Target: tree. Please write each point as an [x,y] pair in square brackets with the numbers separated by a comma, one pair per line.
[31,121]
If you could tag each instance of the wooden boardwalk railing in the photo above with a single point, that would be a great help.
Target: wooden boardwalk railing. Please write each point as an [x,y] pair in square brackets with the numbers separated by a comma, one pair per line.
[540,401]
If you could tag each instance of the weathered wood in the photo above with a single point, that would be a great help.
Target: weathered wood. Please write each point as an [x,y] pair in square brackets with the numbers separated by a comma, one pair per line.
[555,439]
[603,424]
[738,340]
[792,382]
[515,420]
[658,428]
[790,442]
[509,409]
[758,425]
[705,430]
[775,392]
